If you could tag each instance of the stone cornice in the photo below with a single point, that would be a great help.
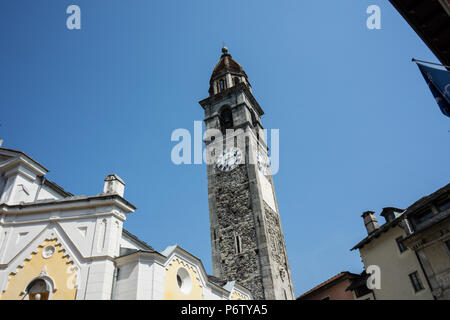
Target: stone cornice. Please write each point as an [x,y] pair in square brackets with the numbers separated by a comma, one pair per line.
[15,153]
[67,204]
[241,87]
[22,165]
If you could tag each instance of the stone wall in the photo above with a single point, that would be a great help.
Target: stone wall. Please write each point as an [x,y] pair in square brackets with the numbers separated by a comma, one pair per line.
[235,217]
[276,242]
[277,252]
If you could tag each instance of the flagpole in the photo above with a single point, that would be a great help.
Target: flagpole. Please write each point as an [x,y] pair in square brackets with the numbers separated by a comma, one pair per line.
[436,64]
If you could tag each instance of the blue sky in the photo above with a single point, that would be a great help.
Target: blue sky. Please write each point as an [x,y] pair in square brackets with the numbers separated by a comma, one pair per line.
[359,128]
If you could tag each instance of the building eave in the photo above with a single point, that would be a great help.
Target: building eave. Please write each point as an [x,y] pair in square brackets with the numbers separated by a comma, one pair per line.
[12,153]
[426,200]
[430,21]
[61,204]
[342,276]
[54,186]
[441,219]
[140,253]
[139,241]
[384,228]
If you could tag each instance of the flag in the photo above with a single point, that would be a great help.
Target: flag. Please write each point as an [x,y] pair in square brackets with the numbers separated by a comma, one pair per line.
[439,82]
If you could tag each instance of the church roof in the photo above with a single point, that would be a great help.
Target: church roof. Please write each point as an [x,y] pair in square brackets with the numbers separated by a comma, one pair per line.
[141,242]
[217,281]
[12,152]
[227,64]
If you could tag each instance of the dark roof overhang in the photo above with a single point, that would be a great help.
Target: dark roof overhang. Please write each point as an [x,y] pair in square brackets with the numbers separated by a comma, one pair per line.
[431,22]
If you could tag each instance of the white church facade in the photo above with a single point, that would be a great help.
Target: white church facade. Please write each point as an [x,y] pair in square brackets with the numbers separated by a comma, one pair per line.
[54,245]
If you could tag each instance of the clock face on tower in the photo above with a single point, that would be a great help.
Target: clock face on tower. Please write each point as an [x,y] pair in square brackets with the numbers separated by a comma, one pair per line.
[263,164]
[229,160]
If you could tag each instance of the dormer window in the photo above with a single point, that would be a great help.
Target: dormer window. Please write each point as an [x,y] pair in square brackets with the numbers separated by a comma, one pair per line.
[390,217]
[390,213]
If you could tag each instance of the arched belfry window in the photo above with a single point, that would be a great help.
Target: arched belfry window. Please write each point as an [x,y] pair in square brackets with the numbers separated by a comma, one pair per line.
[236,80]
[221,85]
[38,289]
[226,119]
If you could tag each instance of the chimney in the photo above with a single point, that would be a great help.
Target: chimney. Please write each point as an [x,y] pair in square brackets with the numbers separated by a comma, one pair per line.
[1,142]
[370,221]
[114,185]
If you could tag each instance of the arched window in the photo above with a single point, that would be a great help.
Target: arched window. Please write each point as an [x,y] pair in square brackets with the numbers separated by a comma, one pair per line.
[38,289]
[221,85]
[238,244]
[226,119]
[184,280]
[236,80]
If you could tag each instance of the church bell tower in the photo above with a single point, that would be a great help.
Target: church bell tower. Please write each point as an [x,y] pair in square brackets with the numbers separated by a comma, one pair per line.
[246,236]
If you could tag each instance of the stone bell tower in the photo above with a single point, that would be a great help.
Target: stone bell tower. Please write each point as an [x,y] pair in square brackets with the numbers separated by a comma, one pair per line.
[246,236]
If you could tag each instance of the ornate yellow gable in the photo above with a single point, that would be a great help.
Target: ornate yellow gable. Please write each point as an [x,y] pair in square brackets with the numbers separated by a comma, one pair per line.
[182,282]
[47,274]
[237,296]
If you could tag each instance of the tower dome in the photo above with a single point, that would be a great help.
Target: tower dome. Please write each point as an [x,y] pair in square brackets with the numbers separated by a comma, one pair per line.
[226,74]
